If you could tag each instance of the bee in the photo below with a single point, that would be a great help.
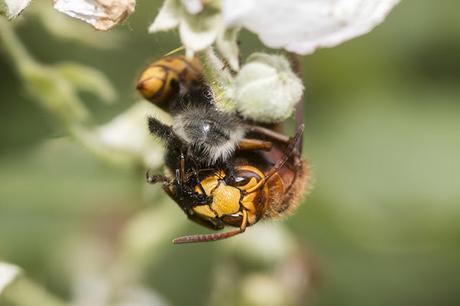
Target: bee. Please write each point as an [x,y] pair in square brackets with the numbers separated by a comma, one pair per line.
[263,184]
[200,132]
[217,174]
[164,78]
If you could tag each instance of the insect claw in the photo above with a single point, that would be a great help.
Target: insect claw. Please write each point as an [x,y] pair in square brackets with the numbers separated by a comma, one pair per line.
[153,179]
[148,177]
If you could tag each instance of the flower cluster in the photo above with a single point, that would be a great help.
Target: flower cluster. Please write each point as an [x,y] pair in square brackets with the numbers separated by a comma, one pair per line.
[265,88]
[299,26]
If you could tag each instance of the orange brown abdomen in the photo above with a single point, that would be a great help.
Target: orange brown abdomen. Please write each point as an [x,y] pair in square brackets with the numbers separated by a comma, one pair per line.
[287,189]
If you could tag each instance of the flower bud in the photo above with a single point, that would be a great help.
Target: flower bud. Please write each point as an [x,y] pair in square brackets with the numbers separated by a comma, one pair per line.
[267,89]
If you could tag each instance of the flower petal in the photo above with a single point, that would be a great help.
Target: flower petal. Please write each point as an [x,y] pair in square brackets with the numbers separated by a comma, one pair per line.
[198,32]
[302,26]
[128,133]
[193,6]
[228,46]
[101,14]
[15,7]
[8,273]
[168,17]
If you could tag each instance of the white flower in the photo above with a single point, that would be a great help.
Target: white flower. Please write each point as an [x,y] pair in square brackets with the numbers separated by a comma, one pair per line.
[101,14]
[302,26]
[198,25]
[128,134]
[8,273]
[14,7]
[262,290]
[268,243]
[266,89]
[193,6]
[299,26]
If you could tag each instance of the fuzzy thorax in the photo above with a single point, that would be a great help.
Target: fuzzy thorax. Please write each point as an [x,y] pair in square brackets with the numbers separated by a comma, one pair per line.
[212,135]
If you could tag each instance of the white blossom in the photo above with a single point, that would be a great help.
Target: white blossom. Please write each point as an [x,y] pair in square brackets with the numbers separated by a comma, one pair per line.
[14,7]
[302,26]
[199,33]
[168,17]
[262,290]
[101,14]
[128,134]
[8,273]
[198,25]
[299,26]
[193,6]
[227,45]
[268,243]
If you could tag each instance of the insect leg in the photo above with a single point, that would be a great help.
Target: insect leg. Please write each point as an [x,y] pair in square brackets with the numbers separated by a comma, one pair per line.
[268,133]
[161,130]
[291,149]
[182,168]
[153,179]
[195,173]
[247,144]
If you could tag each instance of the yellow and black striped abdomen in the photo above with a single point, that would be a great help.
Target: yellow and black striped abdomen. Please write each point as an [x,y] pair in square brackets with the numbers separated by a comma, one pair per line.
[162,80]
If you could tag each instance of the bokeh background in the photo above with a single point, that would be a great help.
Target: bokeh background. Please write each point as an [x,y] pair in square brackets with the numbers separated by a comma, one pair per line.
[380,227]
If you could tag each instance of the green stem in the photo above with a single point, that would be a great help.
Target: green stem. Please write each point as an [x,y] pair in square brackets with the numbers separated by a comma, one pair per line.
[52,91]
[13,47]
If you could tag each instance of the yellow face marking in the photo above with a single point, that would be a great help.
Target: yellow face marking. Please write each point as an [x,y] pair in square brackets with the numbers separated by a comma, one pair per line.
[204,210]
[209,184]
[226,200]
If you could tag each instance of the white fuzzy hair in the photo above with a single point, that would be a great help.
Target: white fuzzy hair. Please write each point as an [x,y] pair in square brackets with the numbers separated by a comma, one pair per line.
[213,151]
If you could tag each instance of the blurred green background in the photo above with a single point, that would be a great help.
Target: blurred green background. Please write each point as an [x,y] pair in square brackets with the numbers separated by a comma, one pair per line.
[382,134]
